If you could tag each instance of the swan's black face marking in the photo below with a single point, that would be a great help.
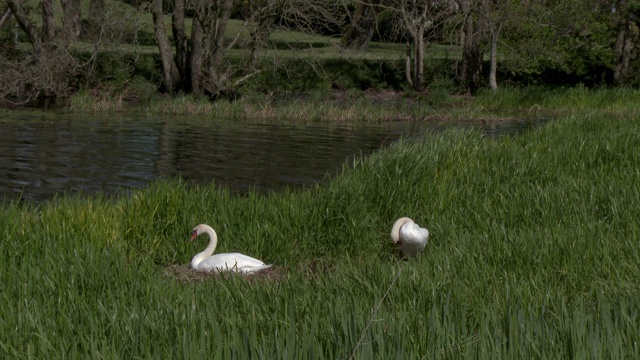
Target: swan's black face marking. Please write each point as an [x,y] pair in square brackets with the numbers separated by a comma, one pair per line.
[194,234]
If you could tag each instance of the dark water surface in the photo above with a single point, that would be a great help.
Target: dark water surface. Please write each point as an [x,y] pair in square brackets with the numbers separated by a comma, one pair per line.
[43,153]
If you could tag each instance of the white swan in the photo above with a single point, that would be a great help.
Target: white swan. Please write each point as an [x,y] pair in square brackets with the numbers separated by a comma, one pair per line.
[204,261]
[410,237]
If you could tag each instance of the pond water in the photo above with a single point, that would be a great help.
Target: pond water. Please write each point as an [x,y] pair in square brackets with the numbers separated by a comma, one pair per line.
[43,153]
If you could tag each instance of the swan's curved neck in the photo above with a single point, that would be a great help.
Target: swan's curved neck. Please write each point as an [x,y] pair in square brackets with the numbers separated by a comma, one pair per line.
[395,231]
[213,242]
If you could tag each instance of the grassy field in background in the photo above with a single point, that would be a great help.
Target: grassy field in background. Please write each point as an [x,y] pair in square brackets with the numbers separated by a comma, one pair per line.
[533,254]
[285,43]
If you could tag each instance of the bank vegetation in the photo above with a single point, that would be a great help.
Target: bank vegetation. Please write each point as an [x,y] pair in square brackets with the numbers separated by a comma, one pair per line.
[139,50]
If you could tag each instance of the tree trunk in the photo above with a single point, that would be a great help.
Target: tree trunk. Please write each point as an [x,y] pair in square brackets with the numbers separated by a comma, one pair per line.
[181,44]
[624,50]
[359,33]
[471,66]
[493,82]
[197,56]
[419,82]
[258,40]
[217,79]
[71,19]
[417,18]
[48,24]
[221,26]
[407,68]
[169,70]
[199,64]
[25,24]
[414,70]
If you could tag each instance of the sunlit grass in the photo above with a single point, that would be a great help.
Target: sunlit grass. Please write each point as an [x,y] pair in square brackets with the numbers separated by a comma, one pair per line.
[533,254]
[614,101]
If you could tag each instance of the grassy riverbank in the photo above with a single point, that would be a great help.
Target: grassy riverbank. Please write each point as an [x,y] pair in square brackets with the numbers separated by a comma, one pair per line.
[385,105]
[533,254]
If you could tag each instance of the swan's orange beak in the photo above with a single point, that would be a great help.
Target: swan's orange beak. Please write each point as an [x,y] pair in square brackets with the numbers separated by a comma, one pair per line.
[194,234]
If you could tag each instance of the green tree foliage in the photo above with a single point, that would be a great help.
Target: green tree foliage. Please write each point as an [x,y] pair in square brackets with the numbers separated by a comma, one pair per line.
[47,49]
[574,37]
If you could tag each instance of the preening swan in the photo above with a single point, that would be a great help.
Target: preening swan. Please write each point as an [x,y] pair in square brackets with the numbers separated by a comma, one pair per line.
[410,237]
[204,261]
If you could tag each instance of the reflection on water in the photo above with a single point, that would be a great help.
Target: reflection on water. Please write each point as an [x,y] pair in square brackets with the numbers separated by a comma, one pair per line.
[44,153]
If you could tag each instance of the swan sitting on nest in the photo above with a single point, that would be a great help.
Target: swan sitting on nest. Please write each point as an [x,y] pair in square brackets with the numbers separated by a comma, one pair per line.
[237,262]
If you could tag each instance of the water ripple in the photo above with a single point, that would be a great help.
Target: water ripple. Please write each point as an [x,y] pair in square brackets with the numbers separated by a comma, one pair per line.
[43,156]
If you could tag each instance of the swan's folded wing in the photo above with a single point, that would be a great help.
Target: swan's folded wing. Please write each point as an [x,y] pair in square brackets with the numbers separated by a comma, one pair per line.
[253,269]
[232,262]
[413,233]
[414,238]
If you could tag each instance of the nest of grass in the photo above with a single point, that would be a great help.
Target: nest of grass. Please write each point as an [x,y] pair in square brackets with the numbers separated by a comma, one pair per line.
[186,275]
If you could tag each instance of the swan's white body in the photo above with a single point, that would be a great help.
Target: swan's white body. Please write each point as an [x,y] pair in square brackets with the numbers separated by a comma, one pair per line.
[205,261]
[410,237]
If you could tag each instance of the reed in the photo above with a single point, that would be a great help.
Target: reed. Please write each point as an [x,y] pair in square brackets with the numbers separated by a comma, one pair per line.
[84,102]
[533,254]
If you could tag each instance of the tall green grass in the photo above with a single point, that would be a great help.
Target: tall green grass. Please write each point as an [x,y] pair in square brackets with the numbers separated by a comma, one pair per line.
[614,101]
[533,254]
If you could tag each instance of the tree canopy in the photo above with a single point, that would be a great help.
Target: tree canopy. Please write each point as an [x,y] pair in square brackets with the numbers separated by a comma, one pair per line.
[213,47]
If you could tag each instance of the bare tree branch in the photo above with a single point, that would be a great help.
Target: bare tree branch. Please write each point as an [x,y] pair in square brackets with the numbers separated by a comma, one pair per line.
[5,16]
